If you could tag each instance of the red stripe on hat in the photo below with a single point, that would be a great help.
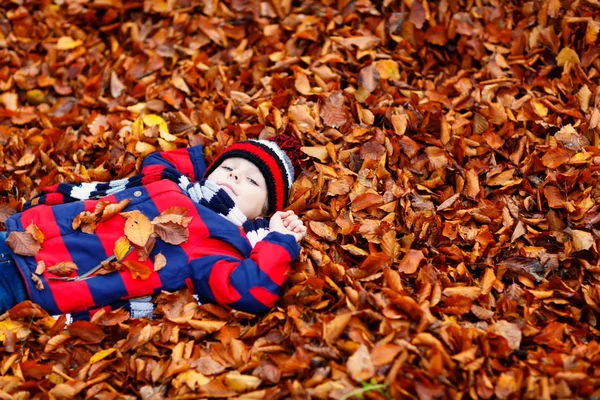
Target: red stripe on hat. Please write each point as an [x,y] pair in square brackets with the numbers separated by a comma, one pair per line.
[219,282]
[181,158]
[67,295]
[152,174]
[264,296]
[264,255]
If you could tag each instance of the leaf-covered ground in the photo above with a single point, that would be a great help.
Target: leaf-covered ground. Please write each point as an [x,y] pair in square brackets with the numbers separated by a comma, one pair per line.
[450,189]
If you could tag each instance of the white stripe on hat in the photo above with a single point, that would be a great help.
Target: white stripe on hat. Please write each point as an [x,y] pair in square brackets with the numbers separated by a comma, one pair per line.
[289,169]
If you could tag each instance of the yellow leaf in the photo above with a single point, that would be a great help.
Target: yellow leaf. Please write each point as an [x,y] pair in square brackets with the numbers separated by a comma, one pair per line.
[153,119]
[567,54]
[387,69]
[67,43]
[539,108]
[122,246]
[101,355]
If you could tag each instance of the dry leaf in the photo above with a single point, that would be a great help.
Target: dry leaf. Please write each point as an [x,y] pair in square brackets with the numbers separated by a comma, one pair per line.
[159,262]
[63,268]
[137,228]
[23,243]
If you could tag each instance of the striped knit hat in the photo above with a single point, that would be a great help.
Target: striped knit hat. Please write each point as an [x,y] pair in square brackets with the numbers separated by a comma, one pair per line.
[277,158]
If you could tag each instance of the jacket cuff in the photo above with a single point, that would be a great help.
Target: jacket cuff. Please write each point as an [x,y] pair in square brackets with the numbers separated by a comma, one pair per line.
[286,241]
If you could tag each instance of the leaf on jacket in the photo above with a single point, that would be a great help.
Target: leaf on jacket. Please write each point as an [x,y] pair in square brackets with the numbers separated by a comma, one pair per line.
[39,285]
[63,268]
[23,243]
[137,269]
[122,247]
[159,262]
[144,252]
[34,231]
[111,209]
[86,221]
[137,227]
[171,232]
[40,267]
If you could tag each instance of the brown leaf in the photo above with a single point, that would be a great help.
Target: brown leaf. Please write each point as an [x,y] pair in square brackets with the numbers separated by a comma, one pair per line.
[63,268]
[137,227]
[23,243]
[511,332]
[110,210]
[366,200]
[87,331]
[556,157]
[171,232]
[323,230]
[6,211]
[359,365]
[410,262]
[39,285]
[137,269]
[554,197]
[34,231]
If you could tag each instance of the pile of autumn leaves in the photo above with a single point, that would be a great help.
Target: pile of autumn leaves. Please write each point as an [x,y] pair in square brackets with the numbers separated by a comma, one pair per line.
[140,234]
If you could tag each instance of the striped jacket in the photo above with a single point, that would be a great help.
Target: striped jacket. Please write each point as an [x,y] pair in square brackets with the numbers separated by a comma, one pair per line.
[217,261]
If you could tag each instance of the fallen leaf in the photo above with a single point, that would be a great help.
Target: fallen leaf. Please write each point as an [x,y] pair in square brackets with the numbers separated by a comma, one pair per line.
[23,243]
[63,268]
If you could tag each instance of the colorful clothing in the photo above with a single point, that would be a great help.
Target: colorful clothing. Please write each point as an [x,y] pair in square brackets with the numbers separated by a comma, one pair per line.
[217,261]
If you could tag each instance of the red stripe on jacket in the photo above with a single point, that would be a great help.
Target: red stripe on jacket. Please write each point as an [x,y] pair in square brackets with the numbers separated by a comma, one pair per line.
[78,292]
[262,256]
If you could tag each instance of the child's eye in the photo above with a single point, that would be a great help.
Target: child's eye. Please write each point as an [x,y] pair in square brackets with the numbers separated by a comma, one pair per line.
[252,181]
[226,168]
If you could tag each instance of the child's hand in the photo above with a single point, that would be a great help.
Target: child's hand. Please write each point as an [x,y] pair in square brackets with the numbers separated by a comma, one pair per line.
[287,222]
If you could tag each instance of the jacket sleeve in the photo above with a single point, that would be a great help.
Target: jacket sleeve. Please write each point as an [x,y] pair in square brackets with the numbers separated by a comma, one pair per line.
[253,284]
[189,161]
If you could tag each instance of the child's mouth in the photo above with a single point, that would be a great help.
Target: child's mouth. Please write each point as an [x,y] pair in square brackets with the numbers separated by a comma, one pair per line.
[228,186]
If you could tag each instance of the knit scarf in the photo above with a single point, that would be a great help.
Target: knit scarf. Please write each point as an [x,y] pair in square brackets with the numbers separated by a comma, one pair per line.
[210,195]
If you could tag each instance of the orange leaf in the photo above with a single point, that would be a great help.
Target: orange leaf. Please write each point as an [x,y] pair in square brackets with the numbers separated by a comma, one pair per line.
[554,197]
[556,157]
[23,243]
[35,232]
[63,268]
[323,230]
[366,200]
[137,227]
[113,209]
[137,269]
[411,261]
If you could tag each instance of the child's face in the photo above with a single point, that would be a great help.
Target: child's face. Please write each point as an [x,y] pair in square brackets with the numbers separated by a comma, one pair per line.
[244,183]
